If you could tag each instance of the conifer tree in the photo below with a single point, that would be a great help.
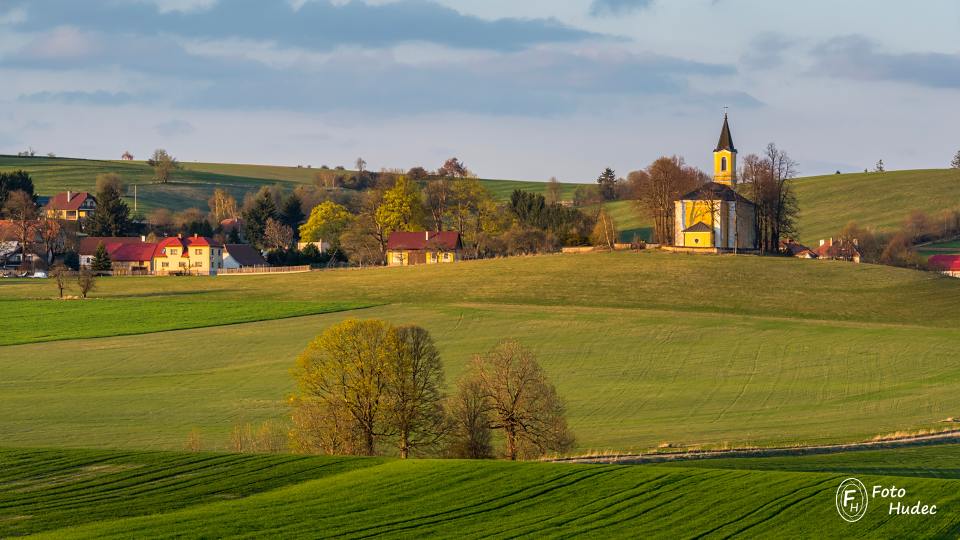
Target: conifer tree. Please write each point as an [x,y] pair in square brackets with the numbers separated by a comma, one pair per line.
[956,161]
[608,184]
[111,217]
[256,216]
[101,259]
[291,212]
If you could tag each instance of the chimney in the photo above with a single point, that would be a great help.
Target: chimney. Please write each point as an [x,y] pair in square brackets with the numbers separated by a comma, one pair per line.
[180,236]
[822,242]
[426,235]
[194,235]
[143,238]
[69,195]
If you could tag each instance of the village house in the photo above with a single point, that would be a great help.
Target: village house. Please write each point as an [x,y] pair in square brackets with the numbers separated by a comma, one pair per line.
[71,206]
[427,247]
[840,250]
[796,249]
[192,255]
[242,256]
[127,156]
[11,252]
[948,265]
[88,246]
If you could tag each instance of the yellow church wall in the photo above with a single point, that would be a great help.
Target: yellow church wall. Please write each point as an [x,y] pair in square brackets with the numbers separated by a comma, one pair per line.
[721,174]
[700,211]
[698,239]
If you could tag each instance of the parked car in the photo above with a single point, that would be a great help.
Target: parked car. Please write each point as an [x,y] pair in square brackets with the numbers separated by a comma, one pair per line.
[39,275]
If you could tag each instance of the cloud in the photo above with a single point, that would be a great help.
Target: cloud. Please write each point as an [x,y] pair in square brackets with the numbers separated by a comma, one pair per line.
[64,42]
[766,51]
[175,128]
[318,25]
[856,57]
[99,97]
[600,8]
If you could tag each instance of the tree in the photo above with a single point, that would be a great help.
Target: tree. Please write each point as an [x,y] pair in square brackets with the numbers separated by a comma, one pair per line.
[327,221]
[552,194]
[101,259]
[255,216]
[453,168]
[521,402]
[767,181]
[341,376]
[161,220]
[359,241]
[276,235]
[14,181]
[291,212]
[879,167]
[401,209]
[662,183]
[604,232]
[607,181]
[51,235]
[163,165]
[111,217]
[59,274]
[470,436]
[418,174]
[86,281]
[222,205]
[22,210]
[361,165]
[414,382]
[956,161]
[438,195]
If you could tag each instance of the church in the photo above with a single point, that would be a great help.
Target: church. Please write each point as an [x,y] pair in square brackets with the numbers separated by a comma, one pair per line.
[714,218]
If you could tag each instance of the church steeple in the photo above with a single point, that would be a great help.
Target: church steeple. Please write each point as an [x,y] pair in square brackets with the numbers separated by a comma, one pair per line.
[725,157]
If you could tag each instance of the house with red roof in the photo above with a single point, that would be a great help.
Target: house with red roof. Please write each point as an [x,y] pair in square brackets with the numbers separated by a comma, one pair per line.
[839,250]
[191,255]
[406,248]
[129,255]
[946,264]
[71,206]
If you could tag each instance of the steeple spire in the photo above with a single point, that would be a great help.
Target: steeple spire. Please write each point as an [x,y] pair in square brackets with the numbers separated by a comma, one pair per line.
[726,140]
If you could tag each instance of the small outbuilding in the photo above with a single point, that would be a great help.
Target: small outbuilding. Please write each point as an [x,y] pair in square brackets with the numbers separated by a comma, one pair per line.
[948,265]
[242,256]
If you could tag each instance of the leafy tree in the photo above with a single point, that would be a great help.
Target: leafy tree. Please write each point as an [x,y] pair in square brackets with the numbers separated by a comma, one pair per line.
[15,181]
[255,217]
[956,161]
[608,184]
[327,222]
[360,241]
[453,168]
[163,165]
[418,174]
[520,401]
[401,208]
[291,212]
[111,217]
[101,259]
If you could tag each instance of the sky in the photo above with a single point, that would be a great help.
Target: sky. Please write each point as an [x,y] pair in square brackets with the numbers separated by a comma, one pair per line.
[522,89]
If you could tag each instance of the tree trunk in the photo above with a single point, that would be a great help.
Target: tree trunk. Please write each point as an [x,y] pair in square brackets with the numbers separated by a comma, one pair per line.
[511,434]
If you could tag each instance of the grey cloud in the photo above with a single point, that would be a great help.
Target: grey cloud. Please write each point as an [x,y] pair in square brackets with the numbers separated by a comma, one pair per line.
[317,25]
[601,8]
[766,51]
[856,57]
[99,97]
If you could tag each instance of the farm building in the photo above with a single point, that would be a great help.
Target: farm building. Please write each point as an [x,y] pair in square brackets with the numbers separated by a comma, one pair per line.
[946,264]
[194,255]
[410,248]
[71,205]
[242,256]
[127,156]
[840,250]
[715,218]
[796,249]
[88,246]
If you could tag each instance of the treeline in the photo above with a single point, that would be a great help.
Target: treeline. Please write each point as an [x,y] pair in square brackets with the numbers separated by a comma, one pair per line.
[897,248]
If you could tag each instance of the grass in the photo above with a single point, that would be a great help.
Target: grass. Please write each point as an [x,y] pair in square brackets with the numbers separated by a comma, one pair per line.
[122,495]
[680,354]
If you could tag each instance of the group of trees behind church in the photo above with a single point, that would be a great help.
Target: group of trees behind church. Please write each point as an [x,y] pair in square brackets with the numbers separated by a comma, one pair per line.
[764,179]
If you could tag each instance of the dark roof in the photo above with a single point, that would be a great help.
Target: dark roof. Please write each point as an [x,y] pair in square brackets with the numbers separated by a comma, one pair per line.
[726,140]
[88,245]
[445,240]
[245,255]
[712,191]
[839,249]
[60,201]
[796,249]
[698,227]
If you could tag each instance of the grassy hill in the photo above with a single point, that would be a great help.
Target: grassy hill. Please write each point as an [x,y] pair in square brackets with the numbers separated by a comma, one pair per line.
[646,348]
[194,184]
[84,494]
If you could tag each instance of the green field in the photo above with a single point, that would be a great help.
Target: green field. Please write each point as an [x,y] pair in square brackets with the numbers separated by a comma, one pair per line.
[194,184]
[85,494]
[646,348]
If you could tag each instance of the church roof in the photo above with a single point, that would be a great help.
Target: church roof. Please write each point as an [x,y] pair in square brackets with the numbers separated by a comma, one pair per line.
[726,140]
[713,191]
[698,227]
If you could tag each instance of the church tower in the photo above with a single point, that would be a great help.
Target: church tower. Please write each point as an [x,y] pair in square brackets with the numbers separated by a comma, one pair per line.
[725,158]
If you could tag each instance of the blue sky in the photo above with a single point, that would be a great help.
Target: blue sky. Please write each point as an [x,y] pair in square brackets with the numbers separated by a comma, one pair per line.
[517,89]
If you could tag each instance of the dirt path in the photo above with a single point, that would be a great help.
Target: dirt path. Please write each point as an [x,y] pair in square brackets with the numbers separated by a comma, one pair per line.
[946,437]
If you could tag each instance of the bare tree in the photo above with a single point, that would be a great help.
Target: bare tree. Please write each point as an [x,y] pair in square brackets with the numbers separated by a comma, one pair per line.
[552,193]
[453,168]
[51,235]
[59,275]
[277,235]
[604,232]
[470,436]
[222,206]
[21,209]
[86,280]
[437,195]
[361,165]
[659,186]
[521,402]
[414,378]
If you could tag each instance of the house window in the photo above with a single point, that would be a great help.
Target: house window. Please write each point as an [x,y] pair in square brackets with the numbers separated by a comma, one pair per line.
[173,251]
[164,265]
[198,263]
[198,251]
[723,163]
[446,256]
[183,264]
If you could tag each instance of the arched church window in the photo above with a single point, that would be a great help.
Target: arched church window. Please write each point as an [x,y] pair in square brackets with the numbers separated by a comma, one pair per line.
[723,164]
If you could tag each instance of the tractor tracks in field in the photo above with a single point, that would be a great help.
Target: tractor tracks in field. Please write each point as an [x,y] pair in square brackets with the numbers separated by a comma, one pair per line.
[946,437]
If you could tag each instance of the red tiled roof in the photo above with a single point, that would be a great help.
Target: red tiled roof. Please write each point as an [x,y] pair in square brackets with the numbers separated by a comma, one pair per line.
[88,245]
[141,251]
[946,263]
[184,244]
[61,202]
[245,254]
[445,240]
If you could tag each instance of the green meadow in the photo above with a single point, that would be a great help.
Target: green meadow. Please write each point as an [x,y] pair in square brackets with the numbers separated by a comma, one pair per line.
[646,348]
[90,494]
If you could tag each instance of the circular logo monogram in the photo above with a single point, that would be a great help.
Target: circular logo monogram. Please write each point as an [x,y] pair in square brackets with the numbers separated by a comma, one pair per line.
[852,500]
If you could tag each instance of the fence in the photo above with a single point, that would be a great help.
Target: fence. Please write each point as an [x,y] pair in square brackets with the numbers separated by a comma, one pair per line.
[246,270]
